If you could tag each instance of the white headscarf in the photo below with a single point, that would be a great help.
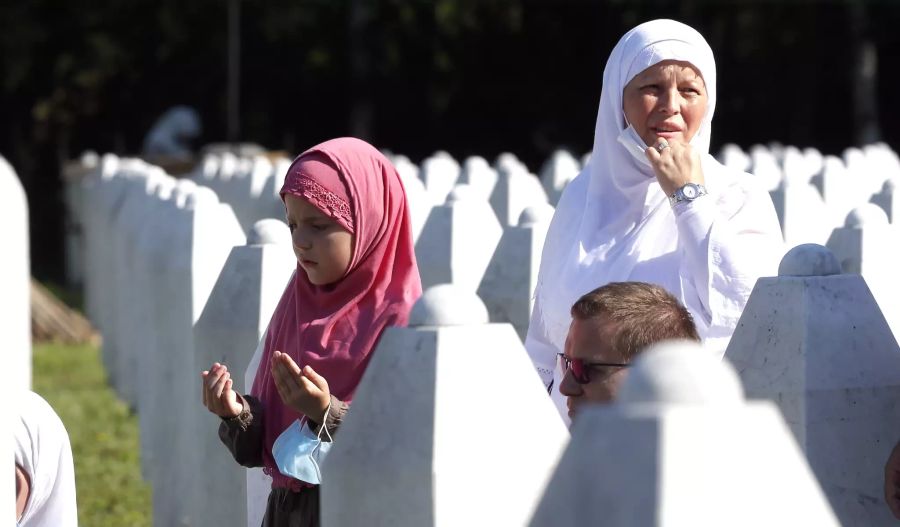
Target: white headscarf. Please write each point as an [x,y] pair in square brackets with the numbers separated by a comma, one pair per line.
[43,452]
[613,222]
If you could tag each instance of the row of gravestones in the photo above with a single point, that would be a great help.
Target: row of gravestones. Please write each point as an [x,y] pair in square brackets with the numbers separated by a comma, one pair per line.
[812,193]
[458,241]
[811,339]
[155,246]
[15,319]
[680,447]
[846,203]
[128,282]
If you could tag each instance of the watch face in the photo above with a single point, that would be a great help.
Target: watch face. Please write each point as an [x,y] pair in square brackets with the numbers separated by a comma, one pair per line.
[690,191]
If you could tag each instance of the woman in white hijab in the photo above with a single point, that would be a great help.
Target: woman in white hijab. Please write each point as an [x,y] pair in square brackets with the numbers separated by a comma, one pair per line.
[45,474]
[652,205]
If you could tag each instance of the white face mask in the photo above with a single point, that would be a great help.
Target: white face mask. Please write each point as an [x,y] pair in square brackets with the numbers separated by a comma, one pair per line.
[632,142]
[299,453]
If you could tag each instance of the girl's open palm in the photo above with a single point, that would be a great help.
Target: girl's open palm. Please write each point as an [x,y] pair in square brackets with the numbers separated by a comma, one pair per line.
[304,391]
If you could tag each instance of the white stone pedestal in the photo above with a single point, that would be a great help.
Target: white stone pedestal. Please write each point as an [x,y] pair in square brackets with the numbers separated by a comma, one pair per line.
[507,288]
[424,445]
[682,447]
[557,172]
[867,245]
[815,342]
[15,281]
[228,331]
[457,241]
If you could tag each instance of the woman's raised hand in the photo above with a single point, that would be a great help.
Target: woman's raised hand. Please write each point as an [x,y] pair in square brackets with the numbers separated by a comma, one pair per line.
[218,397]
[675,165]
[304,391]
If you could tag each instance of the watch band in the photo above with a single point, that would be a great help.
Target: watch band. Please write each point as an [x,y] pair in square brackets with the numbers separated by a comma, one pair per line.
[687,192]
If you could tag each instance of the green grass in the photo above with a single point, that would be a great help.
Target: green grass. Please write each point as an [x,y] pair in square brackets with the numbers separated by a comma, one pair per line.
[104,435]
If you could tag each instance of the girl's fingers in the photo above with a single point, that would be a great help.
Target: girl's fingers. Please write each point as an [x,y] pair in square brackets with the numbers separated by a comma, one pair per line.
[220,386]
[203,375]
[317,380]
[289,364]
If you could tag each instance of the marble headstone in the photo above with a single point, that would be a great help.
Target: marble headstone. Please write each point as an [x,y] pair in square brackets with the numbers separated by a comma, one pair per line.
[478,174]
[681,446]
[439,173]
[229,330]
[803,216]
[418,420]
[507,288]
[458,240]
[889,200]
[515,191]
[869,246]
[557,172]
[814,341]
[15,281]
[201,236]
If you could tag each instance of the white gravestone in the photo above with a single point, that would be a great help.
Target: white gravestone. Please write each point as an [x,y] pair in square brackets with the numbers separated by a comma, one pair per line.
[557,172]
[457,241]
[889,200]
[259,484]
[269,204]
[422,418]
[866,176]
[838,190]
[134,212]
[869,246]
[680,447]
[803,216]
[734,157]
[15,281]
[439,173]
[814,341]
[764,165]
[142,328]
[478,174]
[407,170]
[507,288]
[515,191]
[110,199]
[92,188]
[420,203]
[814,158]
[228,331]
[203,233]
[73,174]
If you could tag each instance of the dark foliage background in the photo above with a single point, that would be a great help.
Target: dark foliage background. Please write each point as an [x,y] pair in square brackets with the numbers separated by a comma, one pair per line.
[466,76]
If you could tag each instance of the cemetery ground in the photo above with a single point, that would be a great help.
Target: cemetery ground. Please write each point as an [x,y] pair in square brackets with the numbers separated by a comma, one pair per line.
[103,432]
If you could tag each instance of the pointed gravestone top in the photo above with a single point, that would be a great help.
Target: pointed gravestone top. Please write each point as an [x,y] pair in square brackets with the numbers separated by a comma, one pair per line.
[269,231]
[809,259]
[448,305]
[664,376]
[536,214]
[201,196]
[461,193]
[868,214]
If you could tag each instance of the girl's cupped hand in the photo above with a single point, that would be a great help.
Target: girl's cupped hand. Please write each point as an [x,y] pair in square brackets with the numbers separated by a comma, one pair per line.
[218,396]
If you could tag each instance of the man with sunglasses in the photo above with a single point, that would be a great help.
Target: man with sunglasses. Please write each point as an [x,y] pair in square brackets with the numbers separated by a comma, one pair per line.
[610,325]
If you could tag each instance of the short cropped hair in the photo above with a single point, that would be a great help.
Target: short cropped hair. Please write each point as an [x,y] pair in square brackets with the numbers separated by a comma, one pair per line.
[643,314]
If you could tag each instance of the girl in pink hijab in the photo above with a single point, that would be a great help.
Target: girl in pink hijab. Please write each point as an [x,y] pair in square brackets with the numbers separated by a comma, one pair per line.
[356,275]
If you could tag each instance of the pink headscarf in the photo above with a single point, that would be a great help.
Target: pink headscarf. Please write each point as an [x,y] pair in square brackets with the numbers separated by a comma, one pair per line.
[334,328]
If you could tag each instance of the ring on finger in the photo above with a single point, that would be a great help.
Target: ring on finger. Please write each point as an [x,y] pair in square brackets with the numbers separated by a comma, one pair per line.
[662,145]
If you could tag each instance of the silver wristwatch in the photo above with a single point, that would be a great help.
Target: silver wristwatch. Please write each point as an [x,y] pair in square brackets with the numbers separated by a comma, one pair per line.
[688,192]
